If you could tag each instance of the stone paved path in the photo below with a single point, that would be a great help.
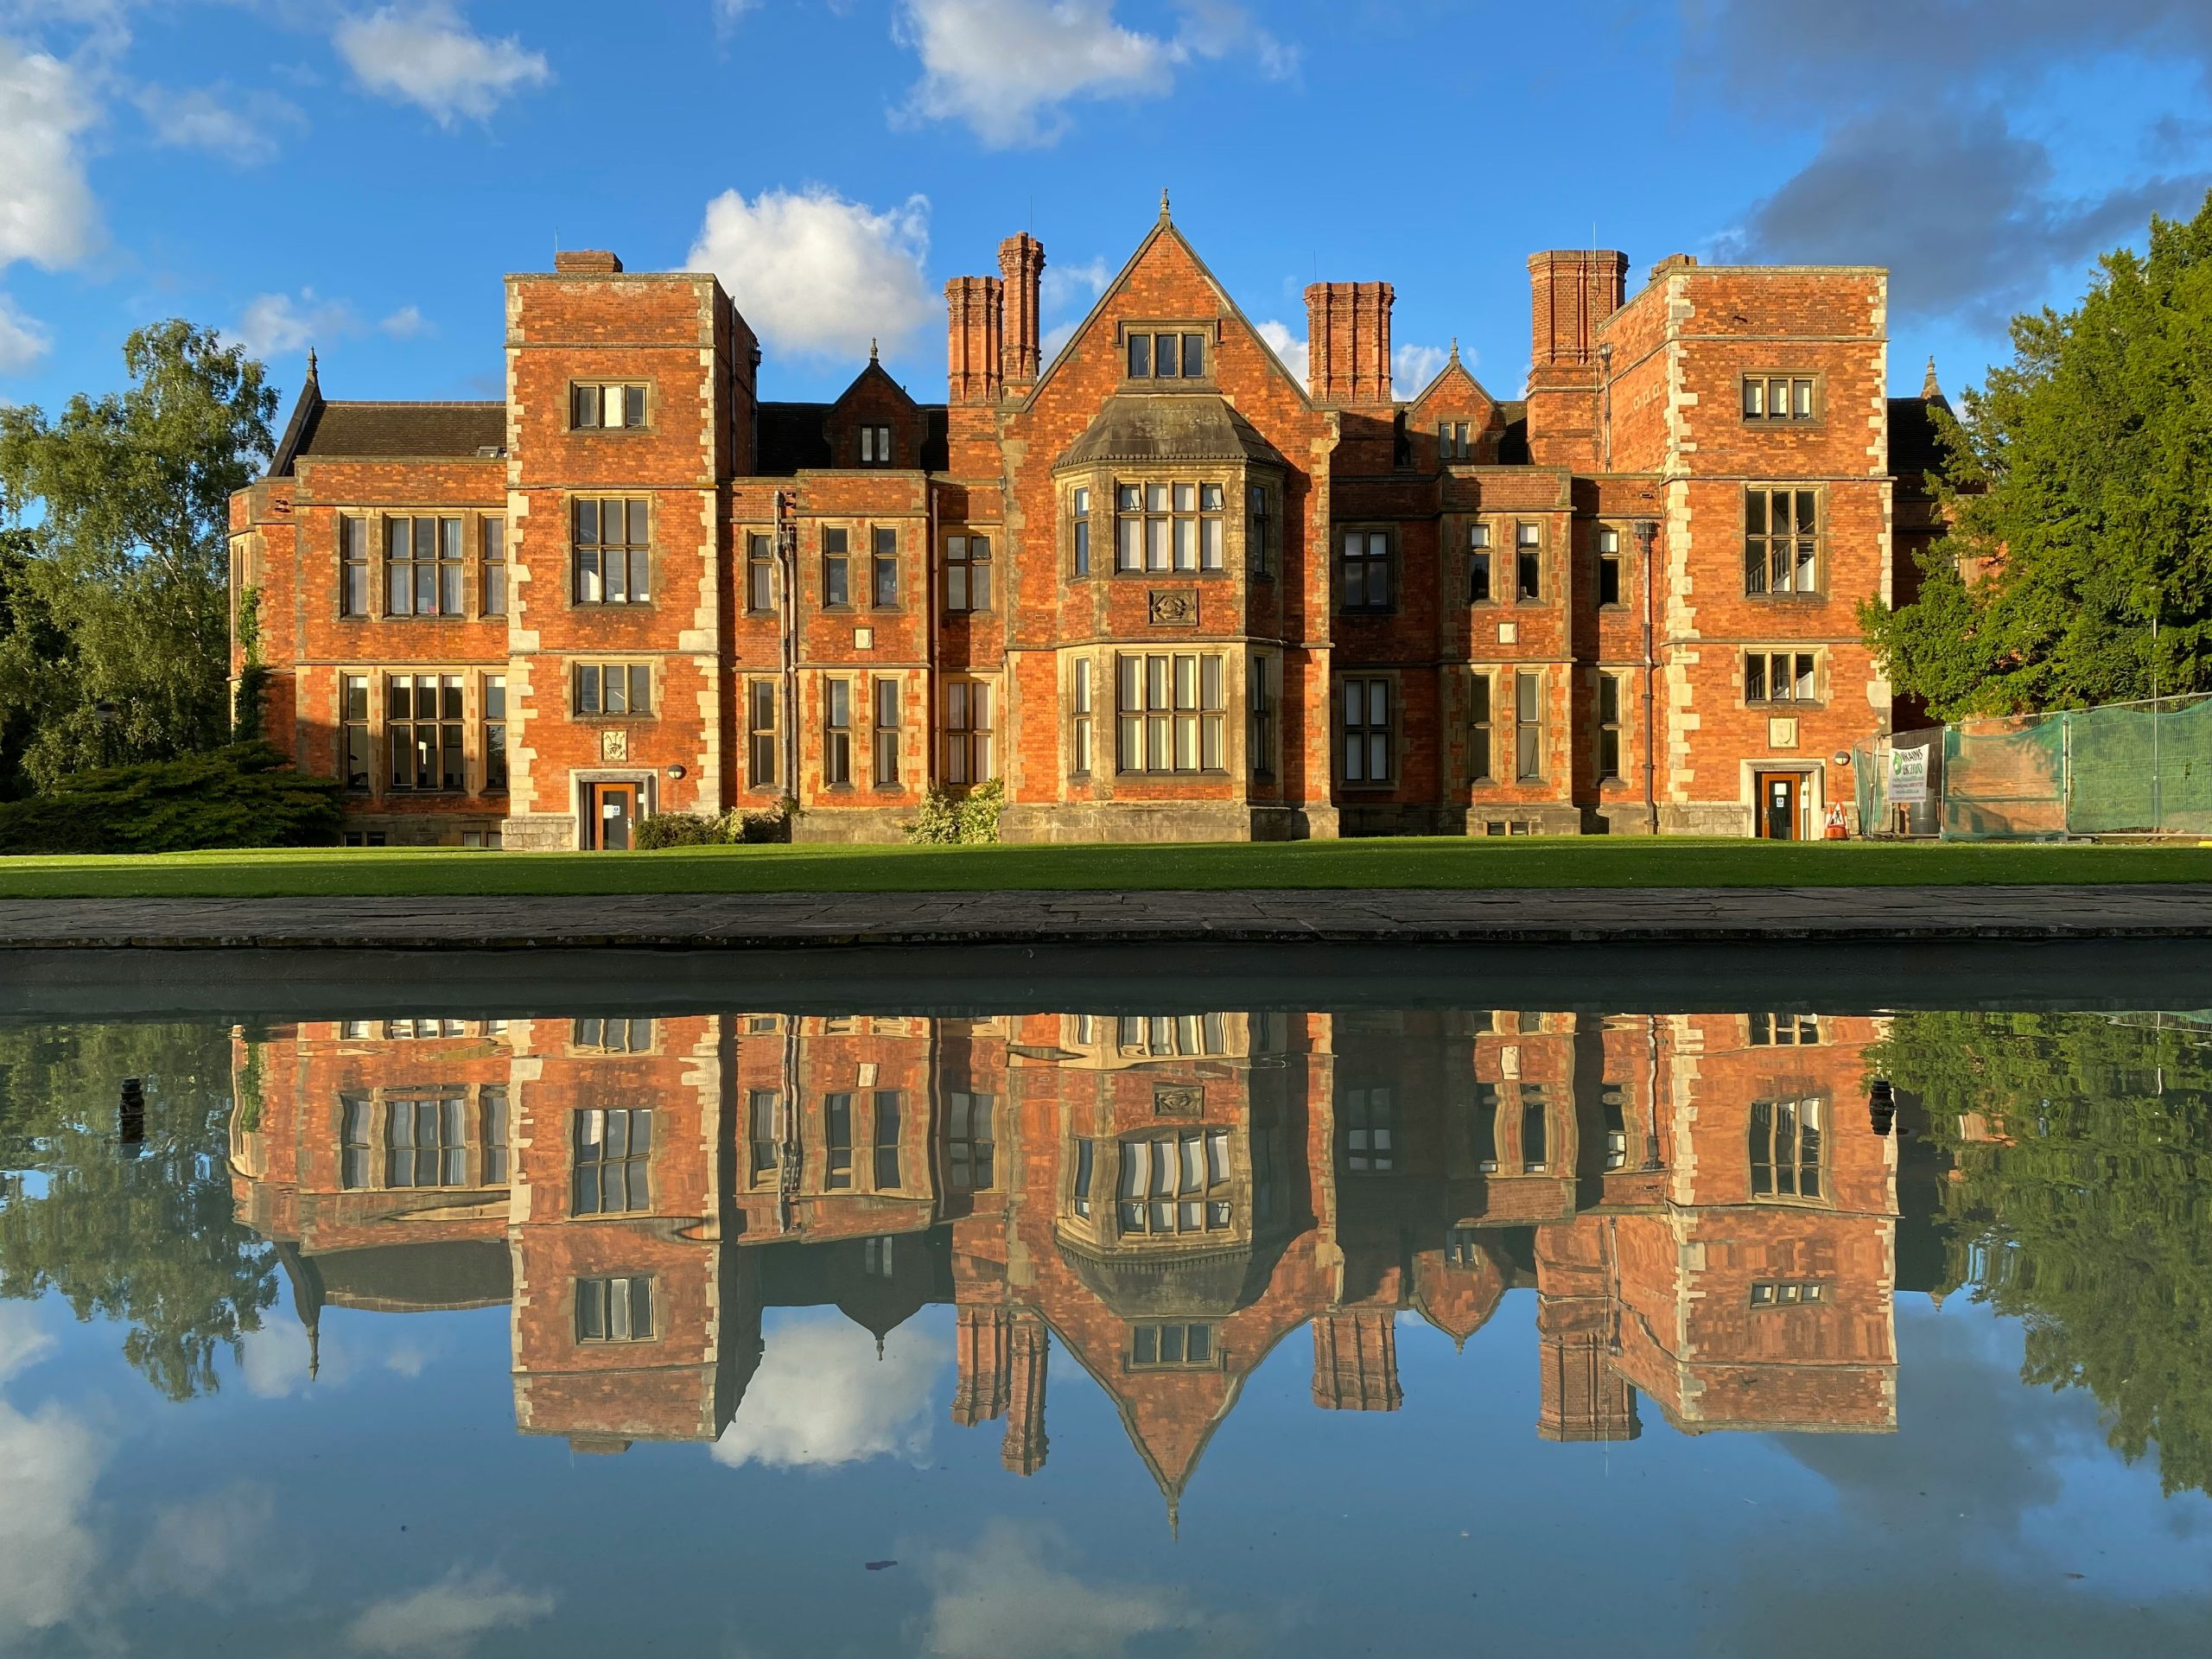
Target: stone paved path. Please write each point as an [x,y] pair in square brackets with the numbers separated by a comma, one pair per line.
[1383,916]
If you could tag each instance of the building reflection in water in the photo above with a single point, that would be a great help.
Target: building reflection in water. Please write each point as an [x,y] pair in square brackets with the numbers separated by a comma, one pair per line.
[1697,1200]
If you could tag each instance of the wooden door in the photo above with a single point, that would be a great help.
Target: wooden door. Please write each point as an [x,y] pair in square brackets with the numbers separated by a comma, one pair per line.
[1778,801]
[613,816]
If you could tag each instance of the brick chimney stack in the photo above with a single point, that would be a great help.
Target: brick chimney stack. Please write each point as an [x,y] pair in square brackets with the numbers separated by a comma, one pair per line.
[1029,1349]
[975,344]
[1570,291]
[587,262]
[1021,271]
[1356,1361]
[1348,342]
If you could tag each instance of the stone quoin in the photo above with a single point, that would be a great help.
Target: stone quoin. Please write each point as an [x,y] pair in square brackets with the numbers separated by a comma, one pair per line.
[1159,585]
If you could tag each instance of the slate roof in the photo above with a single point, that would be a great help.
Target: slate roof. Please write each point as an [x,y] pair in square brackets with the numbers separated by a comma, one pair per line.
[1171,426]
[371,431]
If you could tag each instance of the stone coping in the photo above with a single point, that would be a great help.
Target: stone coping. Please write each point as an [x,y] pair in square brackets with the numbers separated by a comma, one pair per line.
[1289,916]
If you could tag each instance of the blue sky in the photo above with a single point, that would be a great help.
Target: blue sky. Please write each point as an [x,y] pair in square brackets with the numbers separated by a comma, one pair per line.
[359,177]
[388,1510]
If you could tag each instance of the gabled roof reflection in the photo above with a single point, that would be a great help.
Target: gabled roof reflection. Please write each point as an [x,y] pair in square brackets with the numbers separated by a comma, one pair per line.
[1695,1200]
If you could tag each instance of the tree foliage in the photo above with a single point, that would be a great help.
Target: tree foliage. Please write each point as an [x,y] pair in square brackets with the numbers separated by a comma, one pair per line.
[245,795]
[116,589]
[2083,1164]
[2078,494]
[150,1240]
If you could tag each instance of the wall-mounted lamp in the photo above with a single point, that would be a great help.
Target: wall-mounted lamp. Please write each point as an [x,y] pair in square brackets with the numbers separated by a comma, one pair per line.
[1840,758]
[676,772]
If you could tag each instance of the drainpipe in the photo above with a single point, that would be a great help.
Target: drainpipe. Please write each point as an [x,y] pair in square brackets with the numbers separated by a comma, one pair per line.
[787,567]
[1647,533]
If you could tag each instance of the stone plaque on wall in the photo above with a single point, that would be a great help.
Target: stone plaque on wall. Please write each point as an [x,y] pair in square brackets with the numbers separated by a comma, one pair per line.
[1178,1100]
[1175,608]
[614,744]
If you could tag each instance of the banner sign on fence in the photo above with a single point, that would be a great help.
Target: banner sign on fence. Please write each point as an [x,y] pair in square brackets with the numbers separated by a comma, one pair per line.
[1908,778]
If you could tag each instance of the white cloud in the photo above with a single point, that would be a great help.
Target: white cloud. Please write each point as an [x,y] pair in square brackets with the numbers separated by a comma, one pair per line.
[1008,68]
[1411,367]
[1007,1596]
[276,325]
[24,1340]
[730,13]
[448,1618]
[821,1396]
[273,1360]
[1073,287]
[1055,339]
[47,211]
[424,53]
[406,323]
[1291,348]
[224,1547]
[48,1463]
[815,273]
[235,126]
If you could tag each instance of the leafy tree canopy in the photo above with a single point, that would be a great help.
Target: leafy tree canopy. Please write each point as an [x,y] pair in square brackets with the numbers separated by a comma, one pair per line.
[116,590]
[2083,1148]
[2078,497]
[149,1241]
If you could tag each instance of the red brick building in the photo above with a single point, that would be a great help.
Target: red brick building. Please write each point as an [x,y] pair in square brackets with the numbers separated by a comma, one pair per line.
[1697,1202]
[1158,586]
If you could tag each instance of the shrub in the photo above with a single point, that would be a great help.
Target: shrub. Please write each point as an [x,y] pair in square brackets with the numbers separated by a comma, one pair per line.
[968,821]
[770,824]
[679,829]
[734,827]
[245,795]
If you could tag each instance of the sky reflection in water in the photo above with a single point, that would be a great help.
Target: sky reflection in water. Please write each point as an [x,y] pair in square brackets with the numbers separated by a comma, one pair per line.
[1103,1334]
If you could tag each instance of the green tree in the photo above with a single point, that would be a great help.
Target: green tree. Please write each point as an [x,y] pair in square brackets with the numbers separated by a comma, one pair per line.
[148,1240]
[123,504]
[2078,494]
[2082,1152]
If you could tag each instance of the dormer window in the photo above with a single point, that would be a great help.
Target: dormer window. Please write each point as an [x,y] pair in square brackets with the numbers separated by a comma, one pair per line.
[875,446]
[1158,354]
[597,404]
[1452,442]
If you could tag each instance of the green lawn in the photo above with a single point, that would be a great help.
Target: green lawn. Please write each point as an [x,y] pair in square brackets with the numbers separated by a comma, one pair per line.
[1535,862]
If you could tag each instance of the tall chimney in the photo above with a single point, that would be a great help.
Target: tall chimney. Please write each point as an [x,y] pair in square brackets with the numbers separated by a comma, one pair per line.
[1348,342]
[1022,270]
[975,308]
[1570,291]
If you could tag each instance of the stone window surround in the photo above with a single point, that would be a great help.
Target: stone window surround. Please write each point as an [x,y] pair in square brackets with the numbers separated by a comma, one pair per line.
[1619,726]
[1504,549]
[477,1143]
[577,383]
[1236,479]
[1818,701]
[1396,729]
[571,661]
[567,532]
[379,563]
[1792,423]
[1209,328]
[1392,562]
[1818,592]
[471,714]
[1624,532]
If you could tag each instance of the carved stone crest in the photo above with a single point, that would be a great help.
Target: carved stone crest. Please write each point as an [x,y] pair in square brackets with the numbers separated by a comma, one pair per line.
[1175,608]
[614,744]
[1178,1100]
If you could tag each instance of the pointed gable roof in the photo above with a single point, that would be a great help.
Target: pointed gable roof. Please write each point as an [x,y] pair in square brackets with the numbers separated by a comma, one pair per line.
[1454,376]
[1163,230]
[872,377]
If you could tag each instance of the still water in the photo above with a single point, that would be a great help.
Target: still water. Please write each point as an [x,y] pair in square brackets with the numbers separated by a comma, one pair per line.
[1164,1316]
